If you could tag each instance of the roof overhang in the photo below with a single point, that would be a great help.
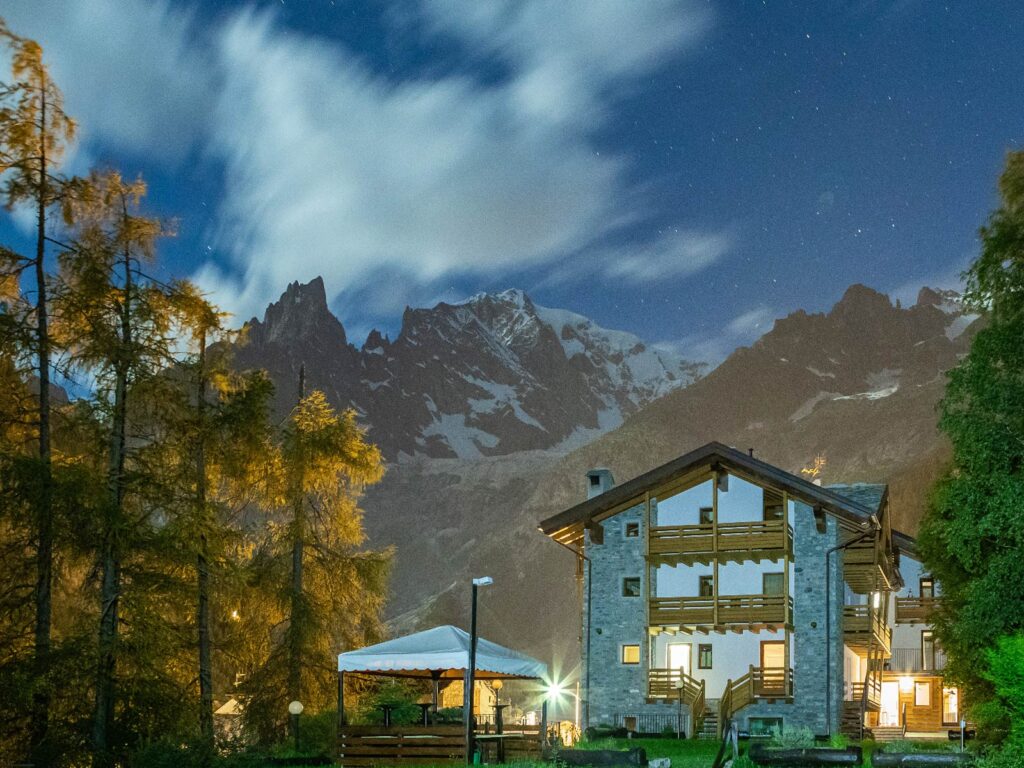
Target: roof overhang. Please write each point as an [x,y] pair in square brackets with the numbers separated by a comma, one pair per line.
[568,527]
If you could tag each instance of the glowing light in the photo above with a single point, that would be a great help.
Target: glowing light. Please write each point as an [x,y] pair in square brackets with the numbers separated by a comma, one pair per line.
[906,684]
[234,614]
[555,691]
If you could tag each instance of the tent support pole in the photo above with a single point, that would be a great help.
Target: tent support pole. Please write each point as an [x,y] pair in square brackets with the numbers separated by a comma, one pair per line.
[341,700]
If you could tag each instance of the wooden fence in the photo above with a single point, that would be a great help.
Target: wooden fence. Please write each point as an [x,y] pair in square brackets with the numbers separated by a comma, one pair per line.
[376,745]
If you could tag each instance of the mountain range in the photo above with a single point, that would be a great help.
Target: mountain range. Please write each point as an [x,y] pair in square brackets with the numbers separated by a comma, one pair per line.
[490,411]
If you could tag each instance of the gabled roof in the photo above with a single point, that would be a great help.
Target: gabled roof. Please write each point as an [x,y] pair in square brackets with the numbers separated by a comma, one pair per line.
[567,527]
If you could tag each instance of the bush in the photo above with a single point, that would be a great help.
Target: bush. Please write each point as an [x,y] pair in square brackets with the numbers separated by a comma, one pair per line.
[792,738]
[668,732]
[907,746]
[839,741]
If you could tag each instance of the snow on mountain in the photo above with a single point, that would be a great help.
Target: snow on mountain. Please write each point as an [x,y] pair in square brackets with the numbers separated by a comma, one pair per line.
[491,375]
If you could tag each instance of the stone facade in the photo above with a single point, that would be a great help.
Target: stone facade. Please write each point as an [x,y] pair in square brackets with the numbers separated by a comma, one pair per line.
[613,690]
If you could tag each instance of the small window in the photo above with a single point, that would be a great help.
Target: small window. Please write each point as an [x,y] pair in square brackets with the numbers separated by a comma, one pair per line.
[630,654]
[772,506]
[927,649]
[706,586]
[772,583]
[631,586]
[704,656]
[927,587]
[595,480]
[632,530]
[707,515]
[765,726]
[922,694]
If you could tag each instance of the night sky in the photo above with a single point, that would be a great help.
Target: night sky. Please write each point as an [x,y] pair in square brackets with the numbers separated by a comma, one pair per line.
[685,171]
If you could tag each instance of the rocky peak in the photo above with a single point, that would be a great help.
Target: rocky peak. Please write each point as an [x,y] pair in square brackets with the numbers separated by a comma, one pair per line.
[300,313]
[862,302]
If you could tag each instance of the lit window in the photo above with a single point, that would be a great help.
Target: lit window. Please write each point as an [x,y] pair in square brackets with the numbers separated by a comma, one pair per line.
[631,586]
[876,600]
[922,694]
[631,654]
[632,530]
[927,587]
[704,656]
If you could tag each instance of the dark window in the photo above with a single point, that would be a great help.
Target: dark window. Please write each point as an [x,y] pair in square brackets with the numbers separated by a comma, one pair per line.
[595,480]
[706,586]
[707,514]
[927,587]
[704,656]
[631,586]
[632,530]
[765,726]
[772,583]
[630,654]
[927,649]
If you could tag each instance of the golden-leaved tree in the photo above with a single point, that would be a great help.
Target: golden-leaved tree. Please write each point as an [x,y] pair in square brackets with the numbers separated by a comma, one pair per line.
[321,590]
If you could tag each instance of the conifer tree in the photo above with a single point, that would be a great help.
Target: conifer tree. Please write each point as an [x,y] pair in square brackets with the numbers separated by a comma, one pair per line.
[325,592]
[34,131]
[119,325]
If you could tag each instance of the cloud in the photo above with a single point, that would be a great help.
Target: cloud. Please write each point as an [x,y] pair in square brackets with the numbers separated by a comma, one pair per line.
[332,168]
[742,330]
[132,72]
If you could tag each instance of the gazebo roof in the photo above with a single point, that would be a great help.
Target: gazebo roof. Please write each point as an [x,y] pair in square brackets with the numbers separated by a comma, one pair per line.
[440,653]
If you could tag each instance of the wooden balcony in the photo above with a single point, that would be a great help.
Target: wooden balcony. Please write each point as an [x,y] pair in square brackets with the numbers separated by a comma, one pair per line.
[915,660]
[759,684]
[733,542]
[726,612]
[675,685]
[864,629]
[865,572]
[915,610]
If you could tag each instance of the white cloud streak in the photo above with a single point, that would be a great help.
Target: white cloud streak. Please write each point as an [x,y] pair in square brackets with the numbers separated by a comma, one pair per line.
[336,170]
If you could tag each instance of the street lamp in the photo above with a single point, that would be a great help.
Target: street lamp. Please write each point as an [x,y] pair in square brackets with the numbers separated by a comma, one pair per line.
[467,708]
[295,709]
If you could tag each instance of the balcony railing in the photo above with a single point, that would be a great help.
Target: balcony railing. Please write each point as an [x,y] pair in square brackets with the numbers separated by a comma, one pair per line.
[753,540]
[915,610]
[863,626]
[676,685]
[725,610]
[915,660]
[866,572]
[758,683]
[873,688]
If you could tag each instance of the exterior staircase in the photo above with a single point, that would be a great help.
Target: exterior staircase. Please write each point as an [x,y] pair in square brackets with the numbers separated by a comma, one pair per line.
[709,723]
[850,722]
[887,732]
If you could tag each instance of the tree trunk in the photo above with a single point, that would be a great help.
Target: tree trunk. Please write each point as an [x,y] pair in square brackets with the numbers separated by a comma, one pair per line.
[202,566]
[110,586]
[296,616]
[44,514]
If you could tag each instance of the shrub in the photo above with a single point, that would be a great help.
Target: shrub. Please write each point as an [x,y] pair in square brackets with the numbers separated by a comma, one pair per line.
[839,741]
[792,738]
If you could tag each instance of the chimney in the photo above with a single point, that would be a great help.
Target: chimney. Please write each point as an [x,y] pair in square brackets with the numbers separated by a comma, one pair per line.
[599,481]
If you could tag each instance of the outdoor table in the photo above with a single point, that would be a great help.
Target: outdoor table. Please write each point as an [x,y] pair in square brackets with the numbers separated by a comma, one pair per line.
[386,709]
[425,709]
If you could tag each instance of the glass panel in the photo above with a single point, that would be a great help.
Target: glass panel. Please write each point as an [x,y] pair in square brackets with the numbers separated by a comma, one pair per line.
[631,586]
[706,586]
[927,650]
[773,655]
[631,654]
[950,706]
[922,694]
[679,657]
[707,515]
[704,657]
[772,584]
[927,587]
[632,530]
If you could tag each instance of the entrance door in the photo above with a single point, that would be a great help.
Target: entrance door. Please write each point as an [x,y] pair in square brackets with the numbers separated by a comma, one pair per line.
[773,665]
[679,657]
[889,714]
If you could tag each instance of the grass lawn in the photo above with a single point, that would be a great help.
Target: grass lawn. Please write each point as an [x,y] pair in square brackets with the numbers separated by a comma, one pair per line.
[684,753]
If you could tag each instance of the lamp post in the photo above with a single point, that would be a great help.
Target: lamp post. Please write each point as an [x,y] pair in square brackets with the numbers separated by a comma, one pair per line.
[467,714]
[295,709]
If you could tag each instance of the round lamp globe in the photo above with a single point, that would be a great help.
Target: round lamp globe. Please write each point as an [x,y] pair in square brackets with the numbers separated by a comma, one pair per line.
[295,708]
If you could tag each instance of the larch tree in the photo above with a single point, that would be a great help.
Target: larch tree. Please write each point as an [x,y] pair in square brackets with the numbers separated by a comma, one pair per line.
[323,589]
[120,327]
[972,535]
[34,131]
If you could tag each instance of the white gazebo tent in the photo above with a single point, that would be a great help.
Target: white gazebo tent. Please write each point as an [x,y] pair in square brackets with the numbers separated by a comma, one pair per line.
[437,654]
